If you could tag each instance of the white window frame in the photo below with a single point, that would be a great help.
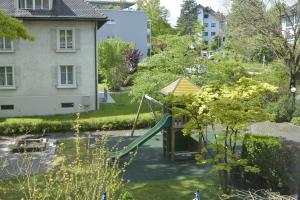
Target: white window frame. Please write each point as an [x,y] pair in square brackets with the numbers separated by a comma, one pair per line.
[58,48]
[213,25]
[60,85]
[7,50]
[9,87]
[213,34]
[33,5]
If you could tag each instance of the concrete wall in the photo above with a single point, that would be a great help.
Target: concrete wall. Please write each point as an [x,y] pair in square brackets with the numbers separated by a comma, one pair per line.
[130,26]
[36,71]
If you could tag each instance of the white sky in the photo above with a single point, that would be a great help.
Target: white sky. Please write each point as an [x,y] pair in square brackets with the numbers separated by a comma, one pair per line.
[174,7]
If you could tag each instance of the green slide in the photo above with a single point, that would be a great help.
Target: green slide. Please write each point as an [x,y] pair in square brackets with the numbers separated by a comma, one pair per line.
[165,122]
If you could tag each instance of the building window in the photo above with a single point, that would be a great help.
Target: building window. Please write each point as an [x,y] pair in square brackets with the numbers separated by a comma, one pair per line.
[205,33]
[66,77]
[205,24]
[213,33]
[205,16]
[66,39]
[67,105]
[5,44]
[7,107]
[6,77]
[35,4]
[213,24]
[112,22]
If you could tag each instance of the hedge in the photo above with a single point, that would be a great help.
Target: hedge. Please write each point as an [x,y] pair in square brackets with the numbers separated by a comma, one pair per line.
[278,161]
[125,122]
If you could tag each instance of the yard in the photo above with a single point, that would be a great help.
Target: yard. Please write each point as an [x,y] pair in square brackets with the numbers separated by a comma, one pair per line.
[109,117]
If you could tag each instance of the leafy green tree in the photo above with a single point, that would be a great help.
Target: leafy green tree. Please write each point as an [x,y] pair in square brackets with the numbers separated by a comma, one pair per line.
[233,107]
[157,16]
[12,28]
[256,18]
[112,63]
[187,21]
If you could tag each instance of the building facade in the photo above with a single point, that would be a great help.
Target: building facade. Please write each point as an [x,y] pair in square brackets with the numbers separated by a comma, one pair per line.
[57,72]
[127,24]
[214,23]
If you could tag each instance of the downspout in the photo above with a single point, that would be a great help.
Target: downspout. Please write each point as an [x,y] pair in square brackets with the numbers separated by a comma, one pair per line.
[96,67]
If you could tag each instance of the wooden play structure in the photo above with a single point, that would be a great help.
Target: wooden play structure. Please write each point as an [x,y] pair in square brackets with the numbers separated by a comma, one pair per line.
[175,144]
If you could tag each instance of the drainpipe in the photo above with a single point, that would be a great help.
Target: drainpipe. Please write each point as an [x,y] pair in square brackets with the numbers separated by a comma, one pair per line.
[96,68]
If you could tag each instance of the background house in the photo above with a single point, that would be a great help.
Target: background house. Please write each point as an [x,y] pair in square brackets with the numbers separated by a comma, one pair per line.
[125,23]
[214,23]
[57,73]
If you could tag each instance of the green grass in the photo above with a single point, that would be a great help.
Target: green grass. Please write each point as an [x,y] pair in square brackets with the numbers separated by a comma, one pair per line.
[123,106]
[175,189]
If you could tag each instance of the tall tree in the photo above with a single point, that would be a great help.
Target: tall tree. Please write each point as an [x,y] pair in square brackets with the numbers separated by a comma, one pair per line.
[12,28]
[264,19]
[157,16]
[187,21]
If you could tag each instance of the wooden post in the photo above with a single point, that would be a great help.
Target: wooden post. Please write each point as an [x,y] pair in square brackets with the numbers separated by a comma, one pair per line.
[137,116]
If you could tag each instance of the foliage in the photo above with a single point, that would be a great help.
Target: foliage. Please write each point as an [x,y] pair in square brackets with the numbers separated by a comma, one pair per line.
[233,107]
[150,82]
[178,57]
[157,16]
[83,177]
[132,58]
[12,28]
[257,18]
[188,18]
[278,161]
[111,62]
[281,108]
[257,195]
[225,72]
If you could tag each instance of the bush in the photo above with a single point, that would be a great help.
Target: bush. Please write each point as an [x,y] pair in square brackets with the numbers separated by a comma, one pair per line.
[296,121]
[48,126]
[282,109]
[278,161]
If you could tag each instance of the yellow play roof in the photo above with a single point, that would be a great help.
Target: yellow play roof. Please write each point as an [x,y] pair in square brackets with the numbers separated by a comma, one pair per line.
[181,87]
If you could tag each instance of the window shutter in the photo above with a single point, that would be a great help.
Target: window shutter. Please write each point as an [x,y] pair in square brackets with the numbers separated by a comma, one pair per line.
[16,4]
[77,39]
[17,76]
[53,39]
[78,75]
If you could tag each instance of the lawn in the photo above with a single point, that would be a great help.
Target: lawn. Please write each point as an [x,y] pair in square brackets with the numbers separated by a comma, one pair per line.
[175,189]
[109,117]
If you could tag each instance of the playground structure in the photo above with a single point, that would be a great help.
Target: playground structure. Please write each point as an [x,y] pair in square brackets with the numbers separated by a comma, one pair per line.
[175,144]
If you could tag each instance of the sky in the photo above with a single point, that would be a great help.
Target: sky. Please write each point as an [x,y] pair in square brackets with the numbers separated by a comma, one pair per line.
[174,7]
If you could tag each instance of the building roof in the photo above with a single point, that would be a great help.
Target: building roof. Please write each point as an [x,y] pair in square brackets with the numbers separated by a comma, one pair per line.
[209,10]
[181,87]
[62,10]
[125,4]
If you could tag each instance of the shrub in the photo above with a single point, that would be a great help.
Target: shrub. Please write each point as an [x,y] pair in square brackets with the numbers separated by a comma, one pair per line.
[93,124]
[278,161]
[282,109]
[88,175]
[296,121]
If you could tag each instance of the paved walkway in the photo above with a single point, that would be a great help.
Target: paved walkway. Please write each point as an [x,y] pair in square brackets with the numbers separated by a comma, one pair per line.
[285,130]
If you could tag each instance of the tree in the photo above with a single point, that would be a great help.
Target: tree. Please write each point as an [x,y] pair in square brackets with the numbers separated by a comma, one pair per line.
[112,63]
[233,107]
[264,20]
[157,16]
[12,28]
[187,21]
